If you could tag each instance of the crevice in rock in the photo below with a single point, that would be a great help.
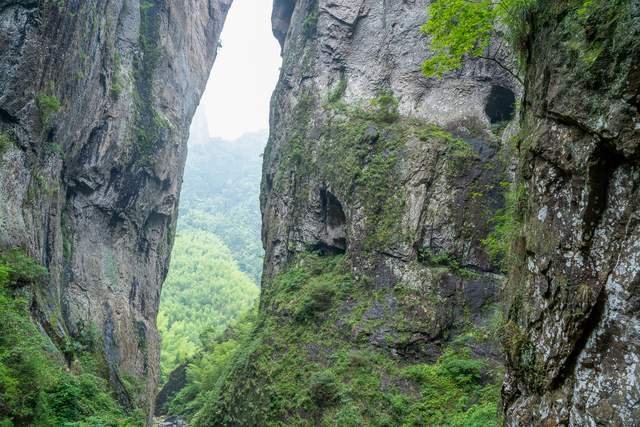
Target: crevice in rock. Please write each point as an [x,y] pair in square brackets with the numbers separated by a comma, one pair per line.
[606,160]
[588,327]
[6,117]
[333,240]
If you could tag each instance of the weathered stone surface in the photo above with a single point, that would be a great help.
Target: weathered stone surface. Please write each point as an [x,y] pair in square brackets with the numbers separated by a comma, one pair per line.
[573,314]
[91,188]
[361,161]
[366,49]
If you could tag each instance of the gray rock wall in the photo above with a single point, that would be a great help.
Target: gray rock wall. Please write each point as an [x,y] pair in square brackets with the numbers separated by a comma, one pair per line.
[573,332]
[90,187]
[363,49]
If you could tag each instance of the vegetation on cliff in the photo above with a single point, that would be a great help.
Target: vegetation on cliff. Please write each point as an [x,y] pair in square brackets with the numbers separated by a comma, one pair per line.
[45,383]
[308,359]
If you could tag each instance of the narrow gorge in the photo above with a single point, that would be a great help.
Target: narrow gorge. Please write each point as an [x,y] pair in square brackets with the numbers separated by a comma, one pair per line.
[451,231]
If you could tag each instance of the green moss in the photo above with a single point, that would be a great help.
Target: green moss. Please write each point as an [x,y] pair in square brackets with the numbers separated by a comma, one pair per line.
[446,260]
[110,267]
[596,40]
[47,106]
[360,157]
[338,91]
[318,371]
[6,142]
[310,24]
[151,127]
[116,78]
[505,225]
[37,387]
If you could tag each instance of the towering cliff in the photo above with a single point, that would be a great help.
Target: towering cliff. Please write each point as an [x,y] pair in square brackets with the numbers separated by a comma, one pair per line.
[378,188]
[573,328]
[96,97]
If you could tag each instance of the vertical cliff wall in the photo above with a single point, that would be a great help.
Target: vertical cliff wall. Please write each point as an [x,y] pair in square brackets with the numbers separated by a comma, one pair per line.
[96,97]
[378,187]
[348,55]
[573,327]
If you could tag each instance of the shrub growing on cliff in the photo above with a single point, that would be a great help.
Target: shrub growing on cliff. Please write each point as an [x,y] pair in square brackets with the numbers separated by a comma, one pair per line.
[318,299]
[465,28]
[5,142]
[323,389]
[22,269]
[385,108]
[47,105]
[310,24]
[505,224]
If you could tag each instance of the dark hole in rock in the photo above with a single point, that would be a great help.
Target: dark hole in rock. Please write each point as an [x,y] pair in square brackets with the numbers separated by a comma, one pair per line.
[333,239]
[324,249]
[501,104]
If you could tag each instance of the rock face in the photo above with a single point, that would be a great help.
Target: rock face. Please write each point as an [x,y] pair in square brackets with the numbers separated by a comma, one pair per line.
[357,53]
[401,174]
[96,98]
[573,330]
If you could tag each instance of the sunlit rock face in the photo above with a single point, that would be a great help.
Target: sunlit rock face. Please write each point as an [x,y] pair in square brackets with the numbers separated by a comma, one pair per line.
[96,98]
[573,331]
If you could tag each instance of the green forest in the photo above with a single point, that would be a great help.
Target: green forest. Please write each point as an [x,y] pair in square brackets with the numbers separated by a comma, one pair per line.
[217,256]
[221,195]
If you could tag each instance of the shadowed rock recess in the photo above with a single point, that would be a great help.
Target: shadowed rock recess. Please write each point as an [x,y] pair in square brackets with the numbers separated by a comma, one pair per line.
[96,97]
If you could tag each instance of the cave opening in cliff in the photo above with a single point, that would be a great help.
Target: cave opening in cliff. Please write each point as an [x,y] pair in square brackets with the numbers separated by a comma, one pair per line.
[216,265]
[500,105]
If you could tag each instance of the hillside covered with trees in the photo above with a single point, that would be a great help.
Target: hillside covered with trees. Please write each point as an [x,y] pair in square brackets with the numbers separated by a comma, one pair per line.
[217,256]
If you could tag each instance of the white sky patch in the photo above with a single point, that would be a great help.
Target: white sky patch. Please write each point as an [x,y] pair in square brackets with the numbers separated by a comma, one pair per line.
[236,100]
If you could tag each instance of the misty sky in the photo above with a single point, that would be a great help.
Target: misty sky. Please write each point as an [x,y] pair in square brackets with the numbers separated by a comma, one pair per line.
[237,96]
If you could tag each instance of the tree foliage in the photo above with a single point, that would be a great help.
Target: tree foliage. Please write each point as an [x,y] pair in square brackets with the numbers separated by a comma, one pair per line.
[206,371]
[204,291]
[458,28]
[465,28]
[221,195]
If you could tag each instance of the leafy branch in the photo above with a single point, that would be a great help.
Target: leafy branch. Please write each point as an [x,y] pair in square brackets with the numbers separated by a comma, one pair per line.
[460,29]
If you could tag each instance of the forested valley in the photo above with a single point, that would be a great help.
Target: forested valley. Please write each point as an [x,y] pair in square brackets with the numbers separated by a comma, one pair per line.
[216,262]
